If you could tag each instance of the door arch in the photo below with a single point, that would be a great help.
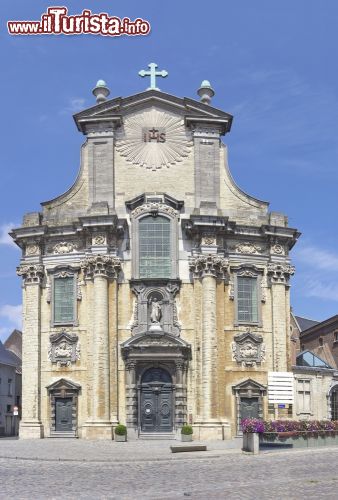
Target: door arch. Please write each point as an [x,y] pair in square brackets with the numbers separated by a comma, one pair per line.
[156,401]
[333,402]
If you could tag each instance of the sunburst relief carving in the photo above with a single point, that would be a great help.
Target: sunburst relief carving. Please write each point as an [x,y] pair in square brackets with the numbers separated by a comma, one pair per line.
[153,155]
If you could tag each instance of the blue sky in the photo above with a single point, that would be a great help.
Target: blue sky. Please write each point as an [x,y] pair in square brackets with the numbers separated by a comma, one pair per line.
[273,66]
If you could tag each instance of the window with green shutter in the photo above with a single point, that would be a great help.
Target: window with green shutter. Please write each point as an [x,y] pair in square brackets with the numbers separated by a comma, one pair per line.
[247,300]
[64,300]
[154,247]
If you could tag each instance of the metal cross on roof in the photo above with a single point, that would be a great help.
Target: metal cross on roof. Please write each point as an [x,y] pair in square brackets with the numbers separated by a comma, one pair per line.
[153,74]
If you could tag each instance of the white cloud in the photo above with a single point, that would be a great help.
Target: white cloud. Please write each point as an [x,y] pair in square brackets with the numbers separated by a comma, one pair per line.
[318,258]
[13,315]
[5,239]
[74,105]
[325,291]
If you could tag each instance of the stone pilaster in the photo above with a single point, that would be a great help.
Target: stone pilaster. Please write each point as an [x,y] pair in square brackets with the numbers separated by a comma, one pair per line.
[181,394]
[208,268]
[100,268]
[131,395]
[30,425]
[279,275]
[101,171]
[207,165]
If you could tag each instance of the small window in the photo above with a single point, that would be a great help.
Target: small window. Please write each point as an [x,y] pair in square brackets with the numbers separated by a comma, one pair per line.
[10,388]
[9,408]
[304,395]
[247,300]
[64,302]
[335,336]
[321,341]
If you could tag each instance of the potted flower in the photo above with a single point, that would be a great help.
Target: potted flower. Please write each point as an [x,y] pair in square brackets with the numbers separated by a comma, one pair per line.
[120,433]
[252,428]
[186,433]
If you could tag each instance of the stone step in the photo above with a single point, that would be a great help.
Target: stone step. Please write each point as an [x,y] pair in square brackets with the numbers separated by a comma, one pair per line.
[188,447]
[157,435]
[63,435]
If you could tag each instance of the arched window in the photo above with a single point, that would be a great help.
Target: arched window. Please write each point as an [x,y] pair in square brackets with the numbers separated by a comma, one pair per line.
[154,247]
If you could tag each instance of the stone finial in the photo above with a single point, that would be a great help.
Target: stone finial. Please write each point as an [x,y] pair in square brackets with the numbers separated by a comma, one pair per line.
[101,91]
[206,92]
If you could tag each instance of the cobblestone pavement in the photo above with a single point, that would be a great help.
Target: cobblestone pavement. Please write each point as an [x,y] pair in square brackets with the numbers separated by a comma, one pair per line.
[291,475]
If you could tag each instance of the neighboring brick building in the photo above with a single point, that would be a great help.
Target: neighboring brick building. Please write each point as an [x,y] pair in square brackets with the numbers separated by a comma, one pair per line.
[156,292]
[322,340]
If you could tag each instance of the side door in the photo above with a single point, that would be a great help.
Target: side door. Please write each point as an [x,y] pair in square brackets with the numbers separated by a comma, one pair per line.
[63,414]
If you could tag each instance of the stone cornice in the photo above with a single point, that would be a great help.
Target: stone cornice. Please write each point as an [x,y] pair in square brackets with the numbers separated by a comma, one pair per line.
[101,265]
[280,273]
[208,265]
[32,274]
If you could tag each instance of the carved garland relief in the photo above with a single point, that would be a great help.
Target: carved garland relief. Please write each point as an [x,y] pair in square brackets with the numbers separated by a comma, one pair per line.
[248,248]
[64,247]
[64,349]
[248,349]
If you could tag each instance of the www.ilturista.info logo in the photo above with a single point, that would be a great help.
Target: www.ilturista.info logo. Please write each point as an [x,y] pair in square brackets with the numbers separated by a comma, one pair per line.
[57,22]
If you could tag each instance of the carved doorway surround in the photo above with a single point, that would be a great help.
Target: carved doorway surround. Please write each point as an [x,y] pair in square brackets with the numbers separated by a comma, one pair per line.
[249,401]
[63,398]
[148,354]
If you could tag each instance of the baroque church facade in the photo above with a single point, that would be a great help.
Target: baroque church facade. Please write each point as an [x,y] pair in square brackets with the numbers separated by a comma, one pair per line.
[155,291]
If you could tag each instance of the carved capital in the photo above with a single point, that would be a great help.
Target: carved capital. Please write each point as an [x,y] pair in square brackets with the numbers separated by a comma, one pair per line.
[101,265]
[280,273]
[31,274]
[208,265]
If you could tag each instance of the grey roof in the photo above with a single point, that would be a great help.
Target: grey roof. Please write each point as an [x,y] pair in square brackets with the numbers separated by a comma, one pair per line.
[305,323]
[7,357]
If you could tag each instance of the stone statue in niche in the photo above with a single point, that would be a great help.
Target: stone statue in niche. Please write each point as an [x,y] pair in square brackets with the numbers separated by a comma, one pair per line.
[156,311]
[155,308]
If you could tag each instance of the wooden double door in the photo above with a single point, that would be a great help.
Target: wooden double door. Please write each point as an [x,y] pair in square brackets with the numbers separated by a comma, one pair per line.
[63,414]
[249,408]
[156,401]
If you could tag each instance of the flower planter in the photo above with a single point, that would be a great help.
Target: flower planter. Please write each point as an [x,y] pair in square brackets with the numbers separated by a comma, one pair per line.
[251,442]
[186,438]
[300,439]
[120,439]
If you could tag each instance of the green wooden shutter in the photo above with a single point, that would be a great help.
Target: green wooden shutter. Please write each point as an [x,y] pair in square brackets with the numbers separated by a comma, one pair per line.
[64,300]
[154,247]
[247,299]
